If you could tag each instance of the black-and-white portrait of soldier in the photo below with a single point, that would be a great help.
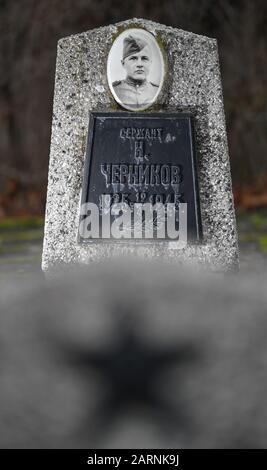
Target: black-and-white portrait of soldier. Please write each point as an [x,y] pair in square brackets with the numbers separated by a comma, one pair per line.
[135,69]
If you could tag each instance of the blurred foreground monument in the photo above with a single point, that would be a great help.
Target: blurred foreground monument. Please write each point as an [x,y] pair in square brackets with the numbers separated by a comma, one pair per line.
[138,120]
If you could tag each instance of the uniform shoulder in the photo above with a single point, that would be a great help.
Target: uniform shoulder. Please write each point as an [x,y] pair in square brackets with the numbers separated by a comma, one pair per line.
[116,83]
[154,84]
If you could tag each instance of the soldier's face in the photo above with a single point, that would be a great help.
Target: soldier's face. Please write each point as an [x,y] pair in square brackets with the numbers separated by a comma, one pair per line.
[137,65]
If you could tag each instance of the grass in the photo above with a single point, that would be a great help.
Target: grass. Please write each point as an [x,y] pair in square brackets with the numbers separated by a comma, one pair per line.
[20,236]
[21,223]
[20,239]
[252,228]
[263,243]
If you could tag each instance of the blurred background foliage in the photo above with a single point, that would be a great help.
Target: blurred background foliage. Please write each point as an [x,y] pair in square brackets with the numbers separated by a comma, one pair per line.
[30,30]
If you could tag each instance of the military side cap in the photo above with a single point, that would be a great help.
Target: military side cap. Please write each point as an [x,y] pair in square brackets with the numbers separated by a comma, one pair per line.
[131,45]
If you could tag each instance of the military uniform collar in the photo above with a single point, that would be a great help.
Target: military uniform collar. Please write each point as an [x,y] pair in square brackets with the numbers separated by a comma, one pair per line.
[135,83]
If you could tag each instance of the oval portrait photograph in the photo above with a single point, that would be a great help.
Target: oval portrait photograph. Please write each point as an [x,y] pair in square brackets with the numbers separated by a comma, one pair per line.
[135,69]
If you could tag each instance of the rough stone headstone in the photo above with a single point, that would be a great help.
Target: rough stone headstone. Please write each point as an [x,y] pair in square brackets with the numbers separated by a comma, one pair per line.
[155,134]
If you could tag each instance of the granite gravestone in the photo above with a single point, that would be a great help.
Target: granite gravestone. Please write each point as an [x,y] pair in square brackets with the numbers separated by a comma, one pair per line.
[138,119]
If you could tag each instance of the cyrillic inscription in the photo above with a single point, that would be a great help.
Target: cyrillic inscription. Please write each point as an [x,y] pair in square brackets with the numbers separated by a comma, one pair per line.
[143,158]
[136,175]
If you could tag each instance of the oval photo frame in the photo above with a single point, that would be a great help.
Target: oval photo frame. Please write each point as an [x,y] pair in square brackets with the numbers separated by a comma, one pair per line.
[135,69]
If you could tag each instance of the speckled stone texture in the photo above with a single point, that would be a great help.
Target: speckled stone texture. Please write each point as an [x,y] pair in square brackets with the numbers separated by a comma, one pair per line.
[194,85]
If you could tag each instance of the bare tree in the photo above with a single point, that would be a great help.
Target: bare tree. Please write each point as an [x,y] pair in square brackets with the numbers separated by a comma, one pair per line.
[243,42]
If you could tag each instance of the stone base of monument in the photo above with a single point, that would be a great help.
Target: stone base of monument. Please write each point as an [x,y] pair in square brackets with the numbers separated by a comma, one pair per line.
[172,149]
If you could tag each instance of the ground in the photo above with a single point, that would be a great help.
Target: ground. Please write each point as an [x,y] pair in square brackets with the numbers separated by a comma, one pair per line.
[65,342]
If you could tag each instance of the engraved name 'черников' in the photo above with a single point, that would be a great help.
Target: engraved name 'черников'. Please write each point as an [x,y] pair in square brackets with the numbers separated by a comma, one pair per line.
[142,174]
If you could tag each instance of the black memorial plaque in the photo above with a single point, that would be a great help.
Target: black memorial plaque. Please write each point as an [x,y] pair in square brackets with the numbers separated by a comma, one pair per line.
[143,158]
